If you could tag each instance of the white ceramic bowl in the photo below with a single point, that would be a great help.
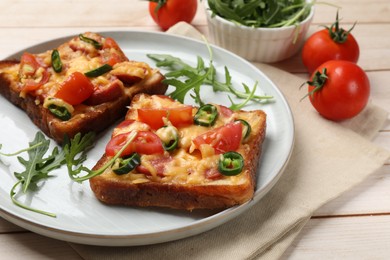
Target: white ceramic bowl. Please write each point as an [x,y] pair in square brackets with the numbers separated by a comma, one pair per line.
[258,44]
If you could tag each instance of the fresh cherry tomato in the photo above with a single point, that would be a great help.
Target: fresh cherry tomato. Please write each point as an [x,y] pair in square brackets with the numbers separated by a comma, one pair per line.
[146,142]
[222,139]
[178,116]
[75,89]
[167,13]
[339,90]
[332,43]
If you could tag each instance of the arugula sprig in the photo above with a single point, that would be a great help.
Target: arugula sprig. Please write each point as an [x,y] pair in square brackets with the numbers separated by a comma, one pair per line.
[184,77]
[262,13]
[76,153]
[75,150]
[38,165]
[193,77]
[37,168]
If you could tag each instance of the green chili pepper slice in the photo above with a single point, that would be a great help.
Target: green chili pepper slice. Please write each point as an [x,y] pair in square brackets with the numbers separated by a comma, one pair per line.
[60,112]
[170,146]
[98,71]
[169,137]
[206,115]
[95,44]
[123,166]
[56,62]
[230,163]
[246,130]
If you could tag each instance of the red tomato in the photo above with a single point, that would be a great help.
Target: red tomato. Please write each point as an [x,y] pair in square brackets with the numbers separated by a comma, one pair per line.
[332,43]
[178,116]
[343,93]
[75,89]
[145,142]
[35,78]
[222,139]
[172,12]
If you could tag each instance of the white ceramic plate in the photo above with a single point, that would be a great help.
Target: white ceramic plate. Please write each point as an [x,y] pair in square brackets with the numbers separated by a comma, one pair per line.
[80,217]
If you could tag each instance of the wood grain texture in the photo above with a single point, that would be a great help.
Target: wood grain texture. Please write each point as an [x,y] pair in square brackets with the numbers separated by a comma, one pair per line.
[365,237]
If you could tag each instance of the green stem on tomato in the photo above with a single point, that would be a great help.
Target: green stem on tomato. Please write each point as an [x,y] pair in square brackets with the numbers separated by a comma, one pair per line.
[318,81]
[337,34]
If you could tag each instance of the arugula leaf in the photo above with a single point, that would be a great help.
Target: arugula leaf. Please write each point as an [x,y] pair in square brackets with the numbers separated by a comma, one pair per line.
[75,154]
[37,168]
[241,105]
[183,77]
[261,13]
[193,81]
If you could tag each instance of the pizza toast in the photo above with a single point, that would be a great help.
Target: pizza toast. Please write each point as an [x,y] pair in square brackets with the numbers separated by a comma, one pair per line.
[180,156]
[83,85]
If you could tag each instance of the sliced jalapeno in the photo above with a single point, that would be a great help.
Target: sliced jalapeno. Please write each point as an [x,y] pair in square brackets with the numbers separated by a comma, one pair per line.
[98,71]
[123,166]
[95,43]
[169,137]
[246,130]
[230,163]
[60,112]
[56,62]
[206,115]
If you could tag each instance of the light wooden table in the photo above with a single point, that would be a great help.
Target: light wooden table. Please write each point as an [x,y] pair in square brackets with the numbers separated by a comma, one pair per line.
[353,226]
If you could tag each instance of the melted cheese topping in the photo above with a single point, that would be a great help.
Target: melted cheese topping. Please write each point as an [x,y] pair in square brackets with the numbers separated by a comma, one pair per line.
[187,165]
[80,56]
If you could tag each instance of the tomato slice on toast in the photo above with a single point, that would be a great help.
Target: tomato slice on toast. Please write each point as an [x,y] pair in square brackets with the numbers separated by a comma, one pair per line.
[145,142]
[75,89]
[178,116]
[222,139]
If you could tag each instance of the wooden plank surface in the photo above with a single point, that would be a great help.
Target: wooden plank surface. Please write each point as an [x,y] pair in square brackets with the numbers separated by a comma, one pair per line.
[339,238]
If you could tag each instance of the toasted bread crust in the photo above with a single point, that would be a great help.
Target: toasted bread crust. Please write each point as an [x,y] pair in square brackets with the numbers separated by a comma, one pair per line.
[111,189]
[91,118]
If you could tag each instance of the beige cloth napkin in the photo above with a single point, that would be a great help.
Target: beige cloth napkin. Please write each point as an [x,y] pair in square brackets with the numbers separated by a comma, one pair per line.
[328,159]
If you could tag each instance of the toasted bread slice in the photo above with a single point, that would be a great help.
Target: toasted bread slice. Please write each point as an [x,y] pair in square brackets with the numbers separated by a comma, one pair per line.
[186,177]
[33,85]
